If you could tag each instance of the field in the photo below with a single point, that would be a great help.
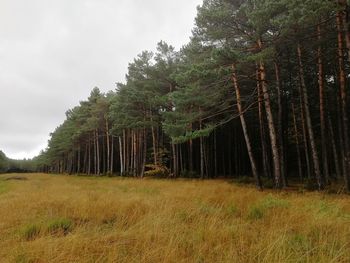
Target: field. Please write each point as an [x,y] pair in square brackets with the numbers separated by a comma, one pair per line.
[51,218]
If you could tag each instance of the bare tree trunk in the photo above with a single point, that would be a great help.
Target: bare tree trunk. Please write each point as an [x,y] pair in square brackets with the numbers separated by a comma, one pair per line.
[272,128]
[108,146]
[154,142]
[112,155]
[95,153]
[89,165]
[345,22]
[98,153]
[308,122]
[121,156]
[175,170]
[144,152]
[280,124]
[78,161]
[343,100]
[322,117]
[85,158]
[125,153]
[334,147]
[306,146]
[201,149]
[300,171]
[341,138]
[191,153]
[265,161]
[134,154]
[245,129]
[215,156]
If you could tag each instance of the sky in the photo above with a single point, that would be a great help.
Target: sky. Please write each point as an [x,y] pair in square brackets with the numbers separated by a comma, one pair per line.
[54,52]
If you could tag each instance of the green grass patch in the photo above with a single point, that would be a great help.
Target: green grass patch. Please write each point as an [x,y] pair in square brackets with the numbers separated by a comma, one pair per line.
[4,187]
[299,242]
[273,202]
[256,213]
[22,258]
[31,232]
[258,210]
[59,226]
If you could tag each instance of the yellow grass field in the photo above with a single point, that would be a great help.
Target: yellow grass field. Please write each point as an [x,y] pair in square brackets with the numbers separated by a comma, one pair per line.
[54,218]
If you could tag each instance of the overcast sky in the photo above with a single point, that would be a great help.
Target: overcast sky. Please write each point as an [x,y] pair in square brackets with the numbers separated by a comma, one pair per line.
[53,52]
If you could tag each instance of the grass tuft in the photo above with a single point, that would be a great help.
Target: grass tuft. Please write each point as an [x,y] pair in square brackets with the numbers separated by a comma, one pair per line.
[59,226]
[256,213]
[31,232]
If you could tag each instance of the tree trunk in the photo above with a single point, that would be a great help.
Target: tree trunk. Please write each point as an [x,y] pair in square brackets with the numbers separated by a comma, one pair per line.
[265,159]
[321,83]
[245,129]
[98,153]
[121,156]
[300,171]
[280,124]
[112,155]
[215,156]
[272,129]
[343,100]
[175,171]
[334,148]
[144,152]
[95,153]
[89,164]
[134,154]
[78,161]
[108,146]
[305,100]
[201,149]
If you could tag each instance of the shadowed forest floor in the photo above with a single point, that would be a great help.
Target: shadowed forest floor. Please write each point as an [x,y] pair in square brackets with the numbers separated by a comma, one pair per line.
[51,218]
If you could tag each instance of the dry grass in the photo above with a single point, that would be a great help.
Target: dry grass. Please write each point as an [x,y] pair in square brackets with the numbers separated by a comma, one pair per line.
[79,219]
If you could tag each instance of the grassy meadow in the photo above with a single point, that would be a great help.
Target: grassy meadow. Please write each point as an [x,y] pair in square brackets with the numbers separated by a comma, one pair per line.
[52,218]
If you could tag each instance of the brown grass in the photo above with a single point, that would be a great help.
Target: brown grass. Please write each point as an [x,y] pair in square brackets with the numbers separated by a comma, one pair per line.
[50,218]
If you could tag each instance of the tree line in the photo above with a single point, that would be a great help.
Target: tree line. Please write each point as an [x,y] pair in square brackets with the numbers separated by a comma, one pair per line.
[8,165]
[261,90]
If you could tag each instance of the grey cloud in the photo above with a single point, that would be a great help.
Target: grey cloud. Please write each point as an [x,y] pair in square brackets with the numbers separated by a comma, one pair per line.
[52,53]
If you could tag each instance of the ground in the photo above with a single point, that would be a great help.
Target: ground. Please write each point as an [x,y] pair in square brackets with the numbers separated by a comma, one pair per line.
[55,218]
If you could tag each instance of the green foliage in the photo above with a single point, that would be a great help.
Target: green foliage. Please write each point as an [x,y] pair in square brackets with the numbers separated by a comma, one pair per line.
[3,162]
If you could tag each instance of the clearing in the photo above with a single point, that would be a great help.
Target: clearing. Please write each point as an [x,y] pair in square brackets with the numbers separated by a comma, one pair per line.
[52,218]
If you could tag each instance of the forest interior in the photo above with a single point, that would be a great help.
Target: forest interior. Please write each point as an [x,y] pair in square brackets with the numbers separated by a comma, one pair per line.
[234,148]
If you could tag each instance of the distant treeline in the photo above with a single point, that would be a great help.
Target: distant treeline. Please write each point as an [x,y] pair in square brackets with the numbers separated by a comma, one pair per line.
[260,90]
[8,165]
